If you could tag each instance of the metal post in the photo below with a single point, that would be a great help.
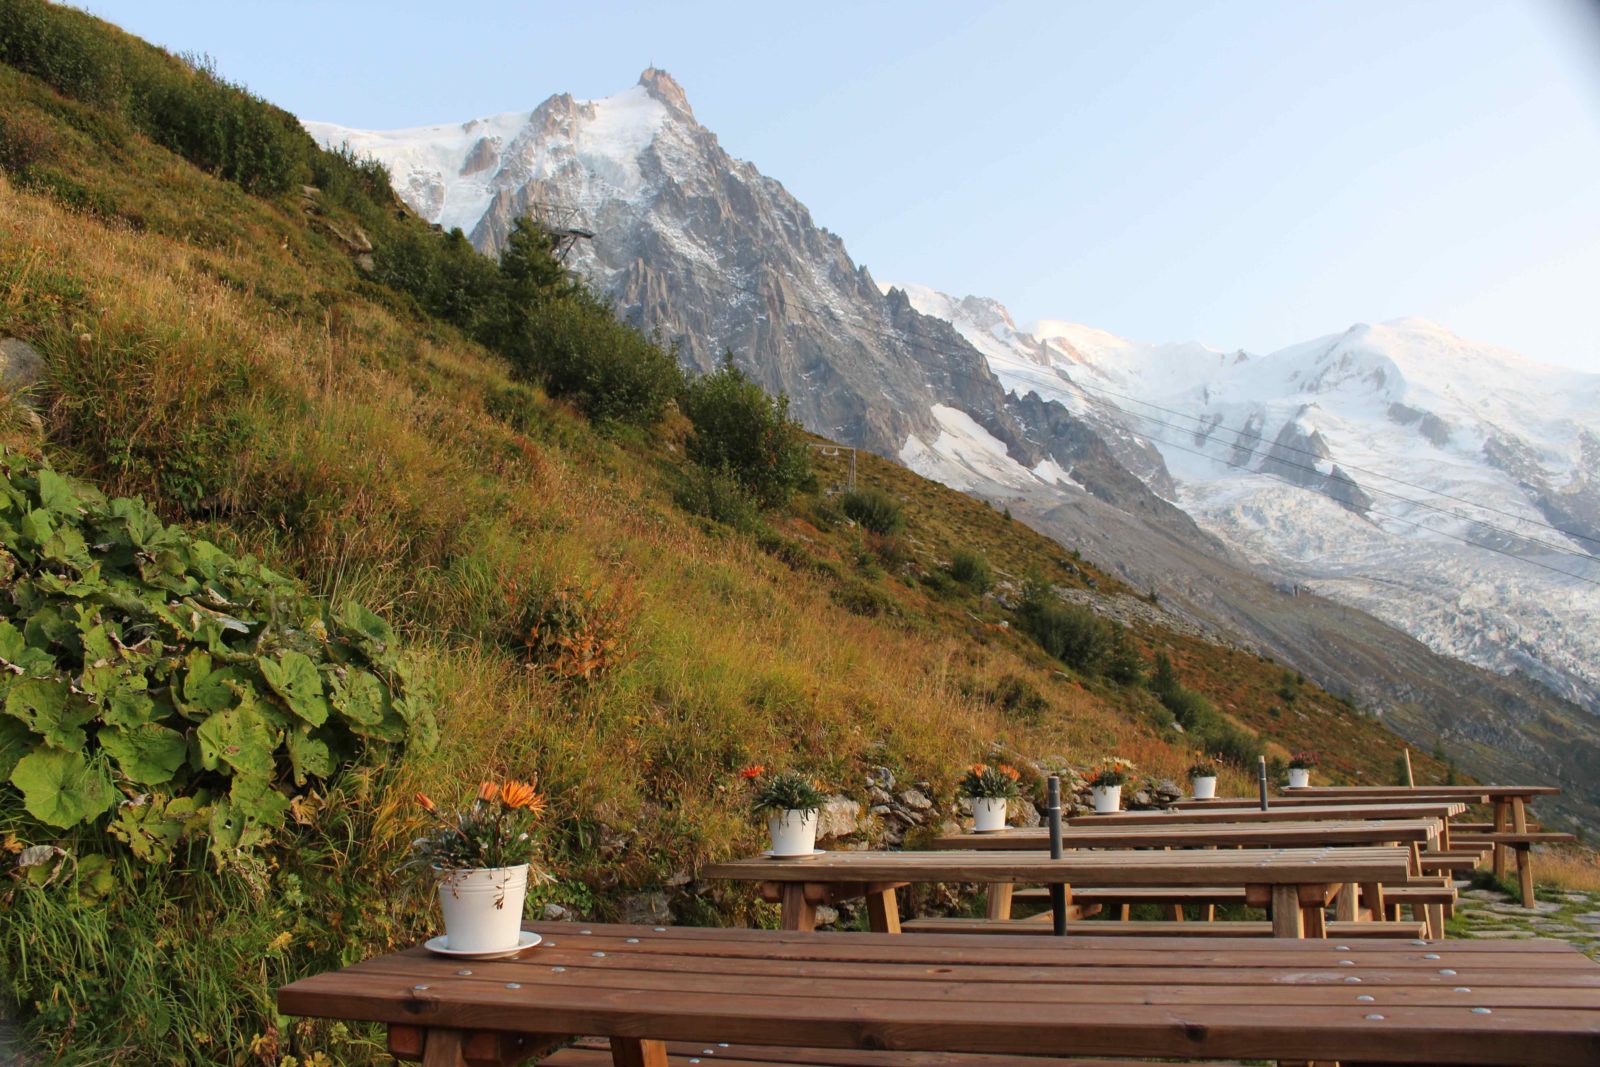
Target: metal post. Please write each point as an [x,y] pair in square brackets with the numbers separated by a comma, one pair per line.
[1058,891]
[1263,774]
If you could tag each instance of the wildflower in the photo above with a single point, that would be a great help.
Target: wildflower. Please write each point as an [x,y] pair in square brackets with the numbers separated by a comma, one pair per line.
[281,942]
[427,805]
[487,791]
[979,768]
[517,794]
[1009,771]
[755,770]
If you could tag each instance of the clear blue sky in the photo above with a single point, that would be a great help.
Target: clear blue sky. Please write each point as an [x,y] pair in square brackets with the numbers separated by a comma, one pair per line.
[1247,173]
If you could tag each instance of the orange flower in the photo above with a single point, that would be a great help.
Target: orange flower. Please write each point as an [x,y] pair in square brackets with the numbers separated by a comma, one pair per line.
[427,805]
[755,770]
[517,794]
[1009,771]
[979,768]
[487,791]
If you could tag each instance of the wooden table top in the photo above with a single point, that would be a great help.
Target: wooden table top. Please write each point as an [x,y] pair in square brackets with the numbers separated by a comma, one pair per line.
[1201,835]
[1280,800]
[1241,866]
[1333,812]
[1430,790]
[1535,1003]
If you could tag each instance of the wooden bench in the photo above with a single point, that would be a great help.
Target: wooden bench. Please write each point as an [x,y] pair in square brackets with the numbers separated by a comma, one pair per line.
[1520,842]
[1451,861]
[596,1052]
[1157,928]
[1174,898]
[913,1001]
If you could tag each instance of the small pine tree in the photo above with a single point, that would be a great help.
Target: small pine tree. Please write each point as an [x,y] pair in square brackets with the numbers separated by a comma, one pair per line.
[1163,678]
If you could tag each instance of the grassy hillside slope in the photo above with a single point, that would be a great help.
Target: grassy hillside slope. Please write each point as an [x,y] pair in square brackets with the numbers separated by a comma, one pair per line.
[225,356]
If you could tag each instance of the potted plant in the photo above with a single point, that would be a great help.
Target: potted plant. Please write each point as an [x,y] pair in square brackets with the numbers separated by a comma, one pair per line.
[1106,785]
[480,858]
[790,802]
[990,789]
[1203,779]
[1300,765]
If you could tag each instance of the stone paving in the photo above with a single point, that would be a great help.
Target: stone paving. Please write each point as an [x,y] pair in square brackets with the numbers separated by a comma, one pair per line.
[1485,911]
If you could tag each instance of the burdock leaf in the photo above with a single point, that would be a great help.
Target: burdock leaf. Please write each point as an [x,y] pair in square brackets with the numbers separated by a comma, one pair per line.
[60,789]
[294,678]
[51,710]
[148,754]
[238,739]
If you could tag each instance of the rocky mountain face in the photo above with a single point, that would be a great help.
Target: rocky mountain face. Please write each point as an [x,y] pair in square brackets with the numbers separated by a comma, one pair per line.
[715,257]
[1444,486]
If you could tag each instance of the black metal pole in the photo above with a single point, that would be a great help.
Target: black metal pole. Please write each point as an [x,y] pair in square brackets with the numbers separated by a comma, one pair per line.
[1263,783]
[1058,891]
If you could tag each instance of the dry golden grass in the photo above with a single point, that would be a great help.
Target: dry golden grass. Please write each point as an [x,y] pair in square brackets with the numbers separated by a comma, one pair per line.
[1570,867]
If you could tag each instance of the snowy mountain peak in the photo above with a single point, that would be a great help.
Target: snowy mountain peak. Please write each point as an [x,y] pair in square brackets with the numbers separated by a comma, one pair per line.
[665,88]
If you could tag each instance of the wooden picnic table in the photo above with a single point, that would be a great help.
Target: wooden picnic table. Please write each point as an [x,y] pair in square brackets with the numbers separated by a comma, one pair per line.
[1412,833]
[1284,834]
[1296,883]
[764,996]
[1419,809]
[1510,803]
[1294,799]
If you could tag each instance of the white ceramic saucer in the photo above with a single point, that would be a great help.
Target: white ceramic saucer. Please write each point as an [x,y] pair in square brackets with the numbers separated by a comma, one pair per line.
[525,940]
[771,855]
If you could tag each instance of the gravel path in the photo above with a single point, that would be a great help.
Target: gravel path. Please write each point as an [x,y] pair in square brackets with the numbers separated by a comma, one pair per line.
[1487,913]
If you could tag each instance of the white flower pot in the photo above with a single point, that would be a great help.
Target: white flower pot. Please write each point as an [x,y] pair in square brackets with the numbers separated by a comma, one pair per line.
[794,832]
[1107,798]
[988,814]
[1299,777]
[1204,788]
[483,907]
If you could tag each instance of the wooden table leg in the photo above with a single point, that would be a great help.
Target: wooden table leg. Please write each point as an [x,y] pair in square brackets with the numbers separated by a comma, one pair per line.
[1519,823]
[637,1052]
[444,1048]
[883,912]
[1500,827]
[798,913]
[1346,907]
[1287,918]
[999,906]
[1372,899]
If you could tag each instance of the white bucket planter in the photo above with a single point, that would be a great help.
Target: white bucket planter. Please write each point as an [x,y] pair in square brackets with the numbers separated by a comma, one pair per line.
[1299,777]
[1107,798]
[1204,788]
[988,814]
[794,832]
[483,907]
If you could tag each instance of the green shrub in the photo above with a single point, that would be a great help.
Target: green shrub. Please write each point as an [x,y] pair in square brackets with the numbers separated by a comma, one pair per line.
[160,689]
[863,598]
[720,497]
[608,370]
[1020,698]
[1072,634]
[874,509]
[742,430]
[1122,664]
[971,570]
[25,142]
[180,103]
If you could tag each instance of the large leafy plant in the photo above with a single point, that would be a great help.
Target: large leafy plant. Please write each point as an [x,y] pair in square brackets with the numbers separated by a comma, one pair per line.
[158,687]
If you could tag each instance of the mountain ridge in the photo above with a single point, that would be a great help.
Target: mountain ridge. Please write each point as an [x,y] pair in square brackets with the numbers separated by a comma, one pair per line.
[711,255]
